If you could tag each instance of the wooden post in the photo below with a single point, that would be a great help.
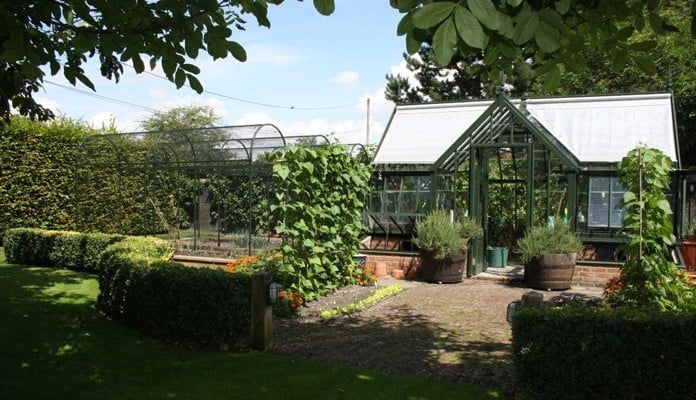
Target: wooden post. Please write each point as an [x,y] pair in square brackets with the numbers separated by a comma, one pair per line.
[532,299]
[261,313]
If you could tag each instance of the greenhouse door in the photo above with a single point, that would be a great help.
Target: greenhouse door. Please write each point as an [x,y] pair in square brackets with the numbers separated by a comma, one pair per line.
[499,200]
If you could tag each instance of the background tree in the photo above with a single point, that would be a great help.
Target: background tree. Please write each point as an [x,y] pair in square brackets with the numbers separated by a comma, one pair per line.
[62,35]
[463,79]
[673,55]
[181,117]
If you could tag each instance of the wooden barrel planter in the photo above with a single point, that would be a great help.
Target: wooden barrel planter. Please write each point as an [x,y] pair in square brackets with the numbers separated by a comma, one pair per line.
[449,270]
[550,271]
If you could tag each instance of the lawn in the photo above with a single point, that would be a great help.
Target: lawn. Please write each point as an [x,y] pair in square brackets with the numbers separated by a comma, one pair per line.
[54,344]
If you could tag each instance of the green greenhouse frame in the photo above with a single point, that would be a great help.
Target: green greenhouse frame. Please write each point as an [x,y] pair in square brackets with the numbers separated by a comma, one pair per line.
[515,163]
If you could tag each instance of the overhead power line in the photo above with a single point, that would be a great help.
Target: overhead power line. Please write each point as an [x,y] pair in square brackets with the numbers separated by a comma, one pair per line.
[98,96]
[224,96]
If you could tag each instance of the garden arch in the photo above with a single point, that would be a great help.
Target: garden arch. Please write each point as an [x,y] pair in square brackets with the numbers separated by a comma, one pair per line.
[227,161]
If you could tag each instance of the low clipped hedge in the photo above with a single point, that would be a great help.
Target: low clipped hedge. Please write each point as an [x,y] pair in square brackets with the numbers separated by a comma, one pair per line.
[56,249]
[586,353]
[167,300]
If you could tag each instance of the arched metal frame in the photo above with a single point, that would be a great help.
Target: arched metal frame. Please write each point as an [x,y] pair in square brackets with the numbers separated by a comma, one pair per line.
[239,150]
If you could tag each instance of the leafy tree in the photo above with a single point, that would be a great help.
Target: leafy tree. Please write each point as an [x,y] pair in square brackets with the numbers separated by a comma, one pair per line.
[182,117]
[559,33]
[63,35]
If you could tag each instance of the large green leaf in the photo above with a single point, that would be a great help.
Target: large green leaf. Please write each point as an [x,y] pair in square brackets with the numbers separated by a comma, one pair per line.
[485,12]
[552,79]
[525,27]
[445,42]
[433,14]
[547,38]
[469,28]
[325,7]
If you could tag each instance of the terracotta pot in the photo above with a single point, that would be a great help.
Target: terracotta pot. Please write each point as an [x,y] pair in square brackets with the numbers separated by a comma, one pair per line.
[688,249]
[449,270]
[380,268]
[550,271]
[398,274]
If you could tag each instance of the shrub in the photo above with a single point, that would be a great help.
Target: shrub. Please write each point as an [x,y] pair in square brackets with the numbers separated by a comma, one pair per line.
[147,249]
[188,306]
[436,234]
[320,198]
[596,353]
[557,239]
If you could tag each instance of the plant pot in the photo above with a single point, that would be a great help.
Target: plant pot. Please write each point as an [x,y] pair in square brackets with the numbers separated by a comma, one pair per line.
[550,271]
[449,270]
[688,249]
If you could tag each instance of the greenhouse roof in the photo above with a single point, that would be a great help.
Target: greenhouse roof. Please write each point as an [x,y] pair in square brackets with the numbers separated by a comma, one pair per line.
[597,129]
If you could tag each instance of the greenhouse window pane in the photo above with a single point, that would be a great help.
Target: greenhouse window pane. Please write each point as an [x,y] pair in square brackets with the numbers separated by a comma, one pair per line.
[408,202]
[392,201]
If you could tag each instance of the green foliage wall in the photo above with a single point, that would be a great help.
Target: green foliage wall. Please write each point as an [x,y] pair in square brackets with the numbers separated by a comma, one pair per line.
[320,198]
[45,182]
[36,178]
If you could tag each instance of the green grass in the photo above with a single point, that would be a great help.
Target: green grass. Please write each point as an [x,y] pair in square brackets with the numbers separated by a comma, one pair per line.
[54,344]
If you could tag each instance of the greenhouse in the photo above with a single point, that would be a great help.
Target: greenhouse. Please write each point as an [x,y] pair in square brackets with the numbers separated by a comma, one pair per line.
[515,163]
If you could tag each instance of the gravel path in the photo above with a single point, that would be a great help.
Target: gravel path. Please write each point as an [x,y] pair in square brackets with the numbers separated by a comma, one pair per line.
[453,332]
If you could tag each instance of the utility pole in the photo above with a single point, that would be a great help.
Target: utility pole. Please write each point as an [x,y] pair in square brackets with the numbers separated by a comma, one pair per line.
[367,130]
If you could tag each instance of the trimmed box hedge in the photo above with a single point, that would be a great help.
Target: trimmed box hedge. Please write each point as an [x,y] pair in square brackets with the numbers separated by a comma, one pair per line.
[167,300]
[593,353]
[56,249]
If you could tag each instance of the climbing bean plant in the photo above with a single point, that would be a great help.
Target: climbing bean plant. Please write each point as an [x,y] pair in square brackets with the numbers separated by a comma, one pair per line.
[649,278]
[319,202]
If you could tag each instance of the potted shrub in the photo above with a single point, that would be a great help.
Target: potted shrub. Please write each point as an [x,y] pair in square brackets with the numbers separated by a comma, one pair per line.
[549,254]
[443,246]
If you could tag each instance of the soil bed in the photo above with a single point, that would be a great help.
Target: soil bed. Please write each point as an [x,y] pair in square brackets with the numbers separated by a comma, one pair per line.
[452,332]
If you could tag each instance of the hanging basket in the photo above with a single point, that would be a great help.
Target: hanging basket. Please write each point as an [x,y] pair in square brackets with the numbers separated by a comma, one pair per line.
[550,271]
[449,270]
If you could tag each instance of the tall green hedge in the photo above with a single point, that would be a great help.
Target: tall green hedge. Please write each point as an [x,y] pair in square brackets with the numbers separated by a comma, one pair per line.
[586,353]
[36,174]
[47,182]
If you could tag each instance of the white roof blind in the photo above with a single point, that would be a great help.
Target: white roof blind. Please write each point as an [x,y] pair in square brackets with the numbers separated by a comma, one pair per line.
[594,129]
[420,134]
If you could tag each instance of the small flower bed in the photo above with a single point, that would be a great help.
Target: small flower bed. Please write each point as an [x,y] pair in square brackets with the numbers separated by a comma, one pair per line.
[380,295]
[363,277]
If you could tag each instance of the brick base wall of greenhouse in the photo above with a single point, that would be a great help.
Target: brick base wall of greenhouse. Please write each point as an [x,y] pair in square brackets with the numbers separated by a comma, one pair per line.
[407,265]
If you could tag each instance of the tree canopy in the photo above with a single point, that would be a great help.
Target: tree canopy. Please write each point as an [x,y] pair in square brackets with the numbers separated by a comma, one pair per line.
[558,33]
[63,35]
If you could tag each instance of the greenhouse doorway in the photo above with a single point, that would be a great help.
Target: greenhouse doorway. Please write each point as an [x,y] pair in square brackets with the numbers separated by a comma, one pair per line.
[500,200]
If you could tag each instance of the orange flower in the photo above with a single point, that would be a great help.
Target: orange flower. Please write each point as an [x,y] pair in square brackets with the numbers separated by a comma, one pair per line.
[242,263]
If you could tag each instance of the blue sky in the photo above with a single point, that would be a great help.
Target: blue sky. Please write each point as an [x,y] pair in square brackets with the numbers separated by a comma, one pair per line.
[304,61]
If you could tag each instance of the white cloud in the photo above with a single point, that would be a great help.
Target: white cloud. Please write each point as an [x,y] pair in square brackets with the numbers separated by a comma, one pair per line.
[275,55]
[402,69]
[48,103]
[345,78]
